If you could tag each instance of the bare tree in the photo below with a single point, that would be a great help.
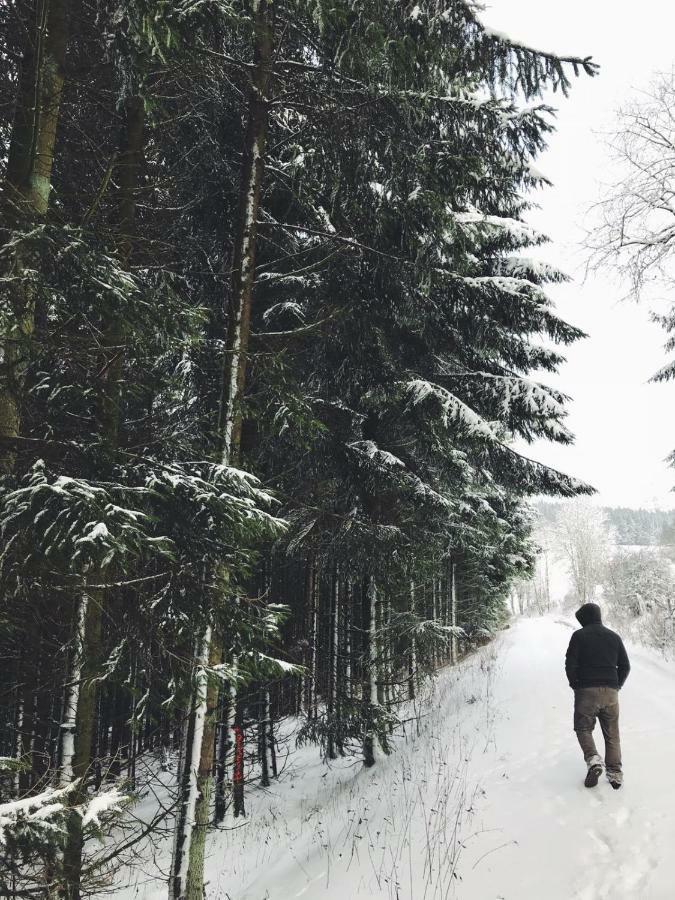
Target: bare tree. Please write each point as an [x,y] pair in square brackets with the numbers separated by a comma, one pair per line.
[636,231]
[640,592]
[582,539]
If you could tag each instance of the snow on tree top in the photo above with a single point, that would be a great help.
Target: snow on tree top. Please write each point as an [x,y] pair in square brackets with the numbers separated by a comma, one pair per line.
[529,268]
[372,451]
[453,409]
[505,38]
[98,532]
[472,218]
[105,802]
[518,287]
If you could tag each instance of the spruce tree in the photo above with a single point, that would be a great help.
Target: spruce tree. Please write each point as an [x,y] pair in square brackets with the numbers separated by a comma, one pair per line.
[279,333]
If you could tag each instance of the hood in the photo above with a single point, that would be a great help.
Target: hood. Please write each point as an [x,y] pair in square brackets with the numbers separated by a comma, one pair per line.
[589,614]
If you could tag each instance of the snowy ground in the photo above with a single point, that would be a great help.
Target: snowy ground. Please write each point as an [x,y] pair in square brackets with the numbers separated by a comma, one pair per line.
[486,802]
[562,840]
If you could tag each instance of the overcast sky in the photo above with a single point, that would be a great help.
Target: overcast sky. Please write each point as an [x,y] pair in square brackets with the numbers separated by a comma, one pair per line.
[624,426]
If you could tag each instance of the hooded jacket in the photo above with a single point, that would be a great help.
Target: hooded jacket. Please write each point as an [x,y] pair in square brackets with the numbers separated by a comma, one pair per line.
[596,655]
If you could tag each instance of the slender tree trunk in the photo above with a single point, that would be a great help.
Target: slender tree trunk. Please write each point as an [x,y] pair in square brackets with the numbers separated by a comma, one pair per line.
[117,733]
[264,726]
[379,648]
[238,774]
[412,656]
[131,721]
[331,710]
[189,791]
[338,680]
[453,613]
[204,780]
[245,245]
[312,701]
[384,667]
[109,425]
[235,361]
[18,739]
[28,179]
[434,614]
[347,605]
[44,718]
[112,364]
[270,738]
[381,662]
[370,739]
[445,595]
[28,672]
[307,618]
[98,747]
[223,752]
[78,726]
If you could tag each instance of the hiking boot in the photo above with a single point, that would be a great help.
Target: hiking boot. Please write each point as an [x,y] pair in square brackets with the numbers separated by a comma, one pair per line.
[615,779]
[593,776]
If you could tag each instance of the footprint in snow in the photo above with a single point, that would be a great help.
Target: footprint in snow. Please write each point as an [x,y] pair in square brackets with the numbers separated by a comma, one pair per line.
[621,816]
[601,843]
[587,892]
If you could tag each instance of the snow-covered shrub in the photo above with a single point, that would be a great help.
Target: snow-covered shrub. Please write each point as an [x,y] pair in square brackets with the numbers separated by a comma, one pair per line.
[639,590]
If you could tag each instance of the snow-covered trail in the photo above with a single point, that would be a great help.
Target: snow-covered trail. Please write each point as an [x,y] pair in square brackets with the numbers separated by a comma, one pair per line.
[482,800]
[534,831]
[546,835]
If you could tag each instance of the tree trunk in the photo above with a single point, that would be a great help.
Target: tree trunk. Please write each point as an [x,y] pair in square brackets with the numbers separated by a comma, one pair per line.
[112,362]
[390,664]
[78,731]
[435,588]
[18,739]
[270,739]
[238,803]
[370,738]
[204,780]
[84,701]
[189,790]
[224,746]
[331,711]
[312,702]
[239,317]
[43,759]
[347,606]
[29,176]
[243,264]
[412,656]
[453,613]
[264,728]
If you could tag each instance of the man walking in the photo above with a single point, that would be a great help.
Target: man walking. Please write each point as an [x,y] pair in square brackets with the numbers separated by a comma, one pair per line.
[597,666]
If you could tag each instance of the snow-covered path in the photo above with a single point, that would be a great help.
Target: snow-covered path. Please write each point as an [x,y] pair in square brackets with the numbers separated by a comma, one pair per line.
[557,839]
[482,800]
[534,831]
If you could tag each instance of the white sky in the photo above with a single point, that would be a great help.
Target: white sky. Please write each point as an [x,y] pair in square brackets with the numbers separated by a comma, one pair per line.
[624,426]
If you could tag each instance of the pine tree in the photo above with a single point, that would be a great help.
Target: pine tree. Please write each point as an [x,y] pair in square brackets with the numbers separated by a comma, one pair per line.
[278,331]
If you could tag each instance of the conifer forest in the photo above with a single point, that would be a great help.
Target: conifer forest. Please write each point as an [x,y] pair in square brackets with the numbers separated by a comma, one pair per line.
[275,335]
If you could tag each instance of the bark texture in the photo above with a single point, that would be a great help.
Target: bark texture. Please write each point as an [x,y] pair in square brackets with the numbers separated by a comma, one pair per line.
[233,383]
[28,186]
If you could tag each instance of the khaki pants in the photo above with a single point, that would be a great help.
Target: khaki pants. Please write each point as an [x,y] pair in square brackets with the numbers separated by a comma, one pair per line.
[603,703]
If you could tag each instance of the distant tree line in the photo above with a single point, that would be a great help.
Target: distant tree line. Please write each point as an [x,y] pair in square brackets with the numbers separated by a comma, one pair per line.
[627,525]
[642,527]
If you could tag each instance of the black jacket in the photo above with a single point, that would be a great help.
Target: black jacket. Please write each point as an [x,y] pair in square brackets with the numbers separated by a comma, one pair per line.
[596,655]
